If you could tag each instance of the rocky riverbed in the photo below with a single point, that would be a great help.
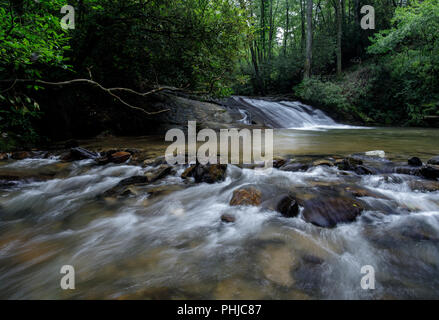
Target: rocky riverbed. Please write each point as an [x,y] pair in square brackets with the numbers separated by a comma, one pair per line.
[135,227]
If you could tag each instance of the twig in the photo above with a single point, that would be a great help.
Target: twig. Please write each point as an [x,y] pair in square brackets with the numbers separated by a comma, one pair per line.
[110,91]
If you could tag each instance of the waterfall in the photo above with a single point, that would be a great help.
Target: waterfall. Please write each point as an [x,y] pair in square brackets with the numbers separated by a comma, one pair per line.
[284,114]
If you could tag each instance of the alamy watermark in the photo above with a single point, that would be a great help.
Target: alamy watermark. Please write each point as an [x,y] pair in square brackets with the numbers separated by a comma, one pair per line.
[367,21]
[67,281]
[68,21]
[235,146]
[368,280]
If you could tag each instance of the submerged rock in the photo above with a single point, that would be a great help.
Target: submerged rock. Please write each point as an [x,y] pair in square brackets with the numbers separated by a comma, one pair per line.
[434,160]
[363,192]
[363,170]
[414,162]
[227,218]
[328,212]
[163,190]
[278,162]
[288,206]
[188,172]
[20,155]
[4,156]
[430,172]
[155,161]
[246,197]
[294,167]
[424,185]
[277,264]
[159,173]
[348,164]
[323,162]
[79,154]
[407,170]
[114,157]
[210,173]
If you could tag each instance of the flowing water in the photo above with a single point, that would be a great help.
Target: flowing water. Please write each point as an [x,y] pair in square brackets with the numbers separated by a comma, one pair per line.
[166,240]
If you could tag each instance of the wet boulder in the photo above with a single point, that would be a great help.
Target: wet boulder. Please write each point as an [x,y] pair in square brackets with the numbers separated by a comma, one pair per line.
[363,192]
[288,206]
[79,154]
[430,172]
[20,155]
[348,164]
[188,172]
[323,162]
[159,173]
[249,196]
[363,170]
[163,190]
[295,167]
[434,160]
[409,170]
[278,162]
[414,162]
[114,157]
[424,185]
[210,173]
[328,212]
[121,187]
[228,218]
[155,161]
[4,156]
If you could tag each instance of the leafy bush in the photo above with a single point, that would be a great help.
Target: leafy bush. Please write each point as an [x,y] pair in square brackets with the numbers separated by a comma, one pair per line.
[410,53]
[321,93]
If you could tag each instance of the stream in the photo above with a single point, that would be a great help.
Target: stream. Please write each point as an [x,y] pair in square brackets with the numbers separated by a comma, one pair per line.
[165,240]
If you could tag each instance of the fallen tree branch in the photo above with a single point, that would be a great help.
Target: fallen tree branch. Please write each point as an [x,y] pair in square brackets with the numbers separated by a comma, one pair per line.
[109,91]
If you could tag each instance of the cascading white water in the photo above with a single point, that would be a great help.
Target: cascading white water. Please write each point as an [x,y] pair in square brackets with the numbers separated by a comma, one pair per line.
[287,114]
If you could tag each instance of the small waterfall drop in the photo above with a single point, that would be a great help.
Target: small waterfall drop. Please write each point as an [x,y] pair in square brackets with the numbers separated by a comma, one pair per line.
[285,114]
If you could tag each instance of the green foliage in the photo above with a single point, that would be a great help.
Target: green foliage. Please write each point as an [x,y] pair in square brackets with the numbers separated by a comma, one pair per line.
[31,42]
[31,38]
[322,93]
[182,43]
[410,50]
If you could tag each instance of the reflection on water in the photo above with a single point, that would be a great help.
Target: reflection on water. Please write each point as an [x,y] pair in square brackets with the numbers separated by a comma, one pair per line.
[166,240]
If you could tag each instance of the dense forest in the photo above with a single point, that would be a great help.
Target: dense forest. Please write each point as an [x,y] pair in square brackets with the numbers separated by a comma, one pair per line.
[313,50]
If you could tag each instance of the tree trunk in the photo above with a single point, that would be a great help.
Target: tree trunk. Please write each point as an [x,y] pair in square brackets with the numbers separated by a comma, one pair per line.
[287,26]
[302,15]
[338,8]
[308,59]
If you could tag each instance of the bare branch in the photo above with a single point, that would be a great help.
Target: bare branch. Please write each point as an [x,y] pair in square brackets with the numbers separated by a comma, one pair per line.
[109,91]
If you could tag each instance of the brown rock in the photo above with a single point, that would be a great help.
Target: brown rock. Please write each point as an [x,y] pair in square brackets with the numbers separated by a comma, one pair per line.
[210,173]
[159,173]
[278,162]
[328,212]
[246,197]
[348,163]
[20,155]
[120,157]
[3,156]
[79,154]
[424,185]
[188,172]
[288,207]
[228,218]
[361,192]
[323,162]
[294,167]
[434,160]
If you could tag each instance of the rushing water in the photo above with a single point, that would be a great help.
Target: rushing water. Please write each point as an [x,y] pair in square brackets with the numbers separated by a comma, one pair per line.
[166,240]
